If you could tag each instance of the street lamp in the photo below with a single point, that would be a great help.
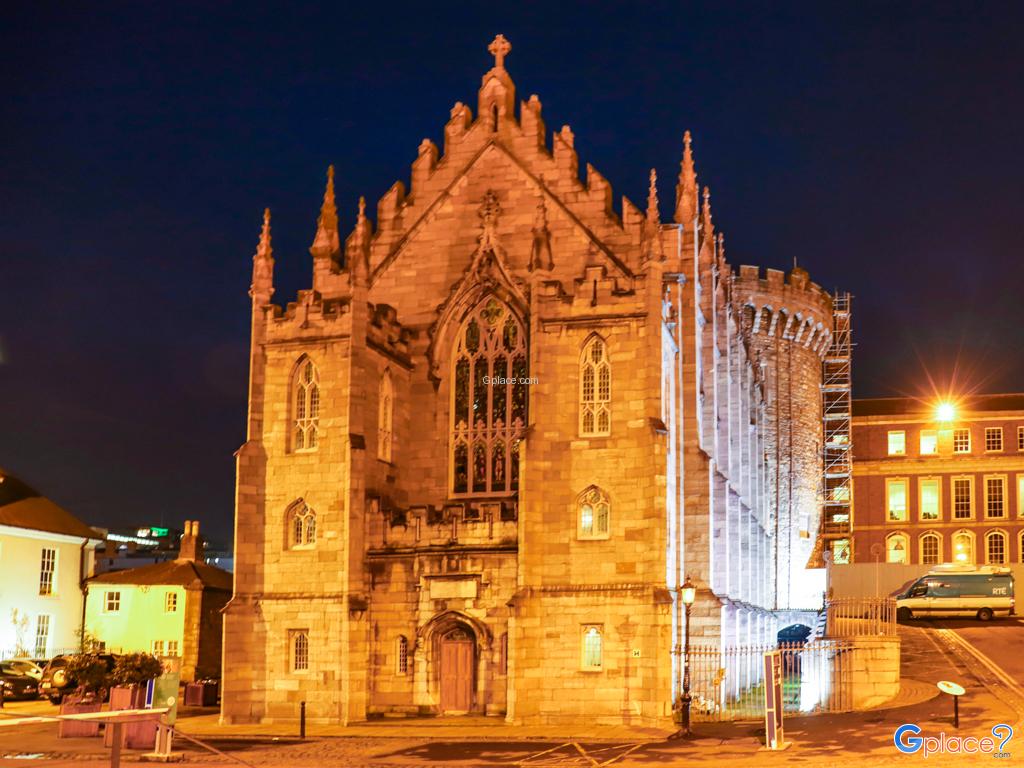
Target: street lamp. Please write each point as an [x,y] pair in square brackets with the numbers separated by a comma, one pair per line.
[688,594]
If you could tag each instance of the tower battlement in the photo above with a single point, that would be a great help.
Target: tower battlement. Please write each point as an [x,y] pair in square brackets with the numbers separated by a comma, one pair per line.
[785,304]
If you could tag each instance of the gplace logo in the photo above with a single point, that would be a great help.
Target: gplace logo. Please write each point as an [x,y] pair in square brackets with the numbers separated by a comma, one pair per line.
[909,741]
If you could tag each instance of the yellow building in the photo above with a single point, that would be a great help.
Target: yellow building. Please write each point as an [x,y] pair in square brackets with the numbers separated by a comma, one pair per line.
[167,609]
[45,555]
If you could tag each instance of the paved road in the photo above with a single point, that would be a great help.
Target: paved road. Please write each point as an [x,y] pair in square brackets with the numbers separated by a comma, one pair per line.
[1002,640]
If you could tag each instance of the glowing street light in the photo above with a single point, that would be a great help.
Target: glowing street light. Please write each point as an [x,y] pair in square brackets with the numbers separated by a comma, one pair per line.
[945,412]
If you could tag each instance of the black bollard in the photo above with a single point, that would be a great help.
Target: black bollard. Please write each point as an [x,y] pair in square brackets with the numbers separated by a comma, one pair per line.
[302,720]
[956,711]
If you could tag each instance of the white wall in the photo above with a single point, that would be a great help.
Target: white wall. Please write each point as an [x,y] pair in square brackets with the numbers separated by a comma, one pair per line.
[20,560]
[142,617]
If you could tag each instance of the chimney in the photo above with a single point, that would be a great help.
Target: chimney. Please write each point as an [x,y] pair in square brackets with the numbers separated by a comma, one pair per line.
[191,544]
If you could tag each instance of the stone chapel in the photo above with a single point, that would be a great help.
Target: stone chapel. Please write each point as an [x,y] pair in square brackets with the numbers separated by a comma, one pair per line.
[501,427]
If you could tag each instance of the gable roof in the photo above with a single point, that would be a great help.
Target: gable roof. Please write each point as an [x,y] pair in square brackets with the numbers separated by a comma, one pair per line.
[179,573]
[22,506]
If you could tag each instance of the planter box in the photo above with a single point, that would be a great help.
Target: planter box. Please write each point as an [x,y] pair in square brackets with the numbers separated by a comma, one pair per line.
[201,694]
[71,729]
[140,735]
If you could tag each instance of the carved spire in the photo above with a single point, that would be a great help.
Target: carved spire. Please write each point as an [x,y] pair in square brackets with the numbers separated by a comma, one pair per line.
[686,188]
[262,286]
[652,224]
[326,243]
[707,227]
[540,255]
[357,246]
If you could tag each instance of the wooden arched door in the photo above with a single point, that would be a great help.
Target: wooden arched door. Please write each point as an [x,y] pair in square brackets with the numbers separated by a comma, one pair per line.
[457,672]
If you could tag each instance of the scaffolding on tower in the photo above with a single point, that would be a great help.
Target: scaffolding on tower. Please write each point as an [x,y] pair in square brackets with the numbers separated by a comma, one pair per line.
[837,405]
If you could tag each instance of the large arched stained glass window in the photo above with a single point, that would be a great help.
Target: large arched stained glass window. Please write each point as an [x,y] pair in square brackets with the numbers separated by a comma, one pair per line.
[306,390]
[489,374]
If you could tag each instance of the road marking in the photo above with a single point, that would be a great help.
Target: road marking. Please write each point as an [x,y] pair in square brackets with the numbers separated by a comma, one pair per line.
[575,754]
[994,669]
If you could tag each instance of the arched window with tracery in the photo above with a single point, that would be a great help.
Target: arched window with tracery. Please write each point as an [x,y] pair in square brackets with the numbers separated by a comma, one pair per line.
[963,547]
[995,548]
[931,548]
[896,548]
[593,514]
[301,526]
[385,416]
[402,655]
[595,390]
[306,389]
[489,380]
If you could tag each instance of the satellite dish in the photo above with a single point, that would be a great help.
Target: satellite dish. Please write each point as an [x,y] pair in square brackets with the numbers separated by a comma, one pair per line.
[951,688]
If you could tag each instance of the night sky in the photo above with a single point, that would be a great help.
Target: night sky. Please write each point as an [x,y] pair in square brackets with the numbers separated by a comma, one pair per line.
[880,145]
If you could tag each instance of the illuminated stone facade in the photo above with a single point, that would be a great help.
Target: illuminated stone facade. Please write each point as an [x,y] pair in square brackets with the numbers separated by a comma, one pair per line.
[488,444]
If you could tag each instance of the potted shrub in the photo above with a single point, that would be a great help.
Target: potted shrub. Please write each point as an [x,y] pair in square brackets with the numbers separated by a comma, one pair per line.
[131,673]
[91,674]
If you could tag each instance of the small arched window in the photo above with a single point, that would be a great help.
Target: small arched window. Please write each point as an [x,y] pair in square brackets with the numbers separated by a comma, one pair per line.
[302,526]
[963,547]
[385,416]
[402,655]
[896,548]
[995,548]
[1020,547]
[593,514]
[593,648]
[306,388]
[595,390]
[931,548]
[299,648]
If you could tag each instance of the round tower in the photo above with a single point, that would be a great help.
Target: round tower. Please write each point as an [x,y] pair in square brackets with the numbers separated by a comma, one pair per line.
[787,320]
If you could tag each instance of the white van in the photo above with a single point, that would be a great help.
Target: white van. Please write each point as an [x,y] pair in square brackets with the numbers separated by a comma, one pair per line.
[958,590]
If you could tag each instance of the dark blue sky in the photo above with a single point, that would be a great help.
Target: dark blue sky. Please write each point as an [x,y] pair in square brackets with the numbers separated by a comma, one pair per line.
[880,144]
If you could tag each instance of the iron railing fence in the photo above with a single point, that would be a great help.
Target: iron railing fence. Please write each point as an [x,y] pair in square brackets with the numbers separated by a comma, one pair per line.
[855,616]
[728,683]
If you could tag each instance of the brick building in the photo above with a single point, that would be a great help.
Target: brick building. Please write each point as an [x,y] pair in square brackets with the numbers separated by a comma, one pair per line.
[938,483]
[491,440]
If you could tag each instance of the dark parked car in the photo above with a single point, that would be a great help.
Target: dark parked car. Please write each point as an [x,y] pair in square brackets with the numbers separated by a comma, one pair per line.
[16,684]
[57,683]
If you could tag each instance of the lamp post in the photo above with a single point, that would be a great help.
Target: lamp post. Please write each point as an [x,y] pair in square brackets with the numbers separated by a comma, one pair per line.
[688,594]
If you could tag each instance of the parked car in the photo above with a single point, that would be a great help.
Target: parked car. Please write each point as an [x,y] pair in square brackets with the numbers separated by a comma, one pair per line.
[31,667]
[56,683]
[16,684]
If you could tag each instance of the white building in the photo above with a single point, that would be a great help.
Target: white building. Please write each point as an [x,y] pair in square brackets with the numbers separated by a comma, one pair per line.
[45,556]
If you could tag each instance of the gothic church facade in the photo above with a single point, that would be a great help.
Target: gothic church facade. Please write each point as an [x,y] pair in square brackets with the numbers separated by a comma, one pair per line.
[498,431]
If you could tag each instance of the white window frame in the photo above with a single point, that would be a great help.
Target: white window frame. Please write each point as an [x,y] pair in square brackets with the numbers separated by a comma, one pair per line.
[1020,494]
[961,431]
[970,492]
[889,482]
[920,547]
[305,406]
[934,435]
[43,631]
[112,597]
[48,572]
[298,658]
[596,500]
[595,403]
[172,648]
[385,416]
[890,435]
[997,434]
[158,648]
[301,526]
[989,535]
[585,632]
[920,498]
[171,601]
[906,547]
[1020,547]
[1020,438]
[969,535]
[1002,479]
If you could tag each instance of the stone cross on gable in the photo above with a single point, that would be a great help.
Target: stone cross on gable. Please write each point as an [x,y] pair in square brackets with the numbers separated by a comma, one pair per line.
[499,48]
